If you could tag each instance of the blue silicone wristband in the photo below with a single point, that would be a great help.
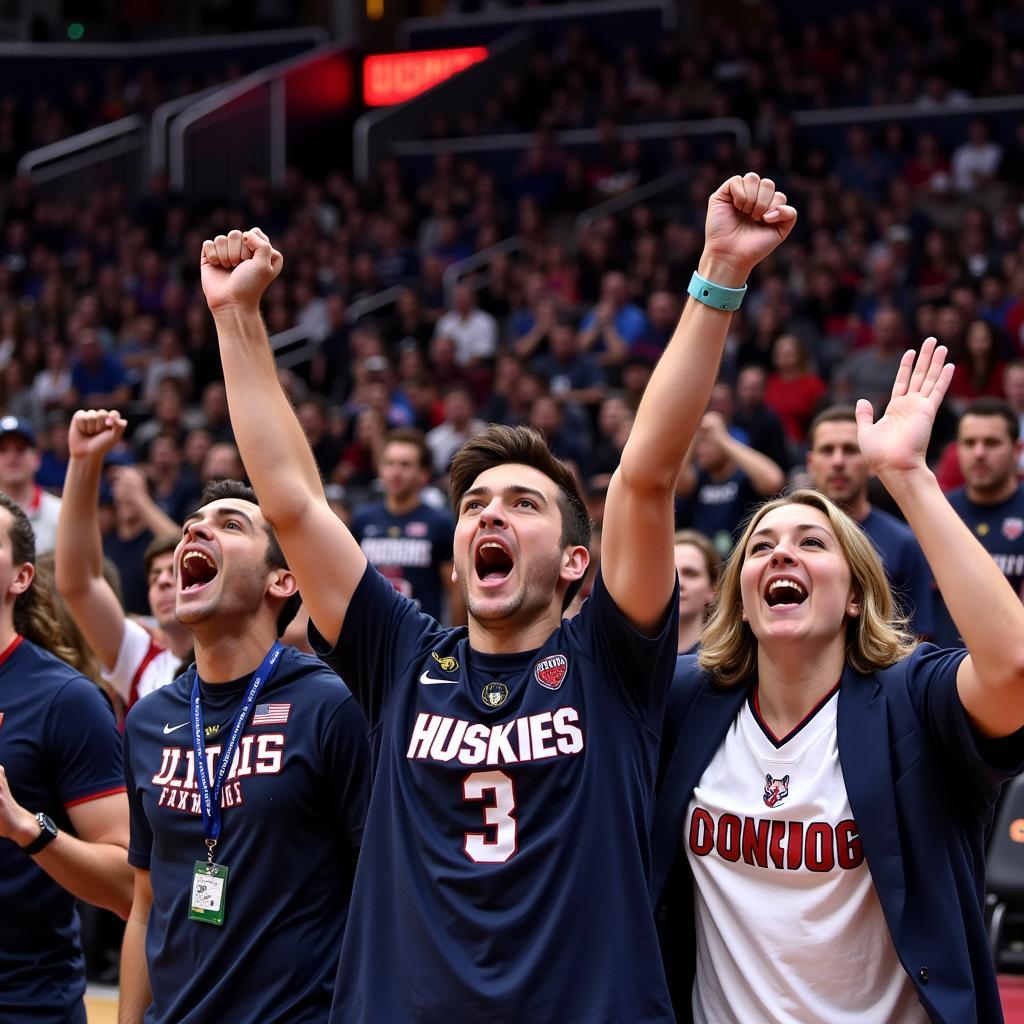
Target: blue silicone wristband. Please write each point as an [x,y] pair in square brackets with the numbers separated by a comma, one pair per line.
[717,296]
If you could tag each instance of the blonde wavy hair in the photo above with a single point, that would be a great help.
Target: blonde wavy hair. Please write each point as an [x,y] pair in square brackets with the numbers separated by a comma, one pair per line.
[875,639]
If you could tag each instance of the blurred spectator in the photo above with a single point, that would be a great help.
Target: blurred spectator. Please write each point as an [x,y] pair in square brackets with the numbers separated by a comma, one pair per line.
[458,426]
[992,501]
[474,332]
[98,379]
[19,463]
[572,375]
[1013,392]
[869,372]
[975,161]
[614,421]
[721,480]
[409,541]
[547,415]
[979,368]
[222,462]
[761,425]
[312,414]
[615,324]
[793,390]
[175,491]
[697,566]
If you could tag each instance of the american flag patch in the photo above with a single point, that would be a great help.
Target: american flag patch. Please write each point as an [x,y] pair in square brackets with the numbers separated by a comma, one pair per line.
[271,714]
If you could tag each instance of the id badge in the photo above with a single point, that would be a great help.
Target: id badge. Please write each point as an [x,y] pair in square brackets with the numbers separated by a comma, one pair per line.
[209,892]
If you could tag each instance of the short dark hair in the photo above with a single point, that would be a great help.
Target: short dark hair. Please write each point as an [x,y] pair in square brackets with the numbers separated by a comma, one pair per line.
[409,435]
[833,414]
[156,547]
[238,491]
[989,406]
[499,445]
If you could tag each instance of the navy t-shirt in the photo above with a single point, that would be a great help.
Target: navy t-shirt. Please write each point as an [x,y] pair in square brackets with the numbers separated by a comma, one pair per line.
[59,746]
[292,816]
[1000,530]
[408,549]
[505,861]
[906,568]
[716,508]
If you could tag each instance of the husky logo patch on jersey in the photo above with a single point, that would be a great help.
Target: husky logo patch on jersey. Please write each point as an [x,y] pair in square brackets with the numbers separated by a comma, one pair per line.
[446,664]
[1013,527]
[775,790]
[494,694]
[550,671]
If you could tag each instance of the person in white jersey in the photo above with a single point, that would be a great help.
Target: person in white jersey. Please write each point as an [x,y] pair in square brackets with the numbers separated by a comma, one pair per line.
[134,661]
[827,782]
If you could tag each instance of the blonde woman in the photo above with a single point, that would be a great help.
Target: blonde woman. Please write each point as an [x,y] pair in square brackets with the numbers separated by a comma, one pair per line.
[698,564]
[819,838]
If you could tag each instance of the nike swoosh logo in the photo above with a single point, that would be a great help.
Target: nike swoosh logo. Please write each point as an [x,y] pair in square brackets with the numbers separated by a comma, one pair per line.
[168,729]
[430,681]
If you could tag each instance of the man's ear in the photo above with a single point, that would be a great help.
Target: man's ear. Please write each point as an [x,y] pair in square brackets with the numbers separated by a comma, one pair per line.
[575,563]
[283,584]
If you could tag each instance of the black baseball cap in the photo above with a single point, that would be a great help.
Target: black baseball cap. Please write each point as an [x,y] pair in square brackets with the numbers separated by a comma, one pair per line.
[17,425]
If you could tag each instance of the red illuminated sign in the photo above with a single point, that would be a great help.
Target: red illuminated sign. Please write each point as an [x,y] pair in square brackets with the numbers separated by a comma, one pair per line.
[396,77]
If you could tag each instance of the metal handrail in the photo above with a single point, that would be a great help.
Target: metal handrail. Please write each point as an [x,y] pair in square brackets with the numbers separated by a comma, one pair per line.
[460,268]
[76,143]
[900,111]
[160,125]
[578,136]
[527,18]
[273,78]
[635,195]
[111,51]
[374,302]
[292,336]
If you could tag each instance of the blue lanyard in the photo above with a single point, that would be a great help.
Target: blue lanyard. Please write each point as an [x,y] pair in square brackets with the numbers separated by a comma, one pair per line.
[211,795]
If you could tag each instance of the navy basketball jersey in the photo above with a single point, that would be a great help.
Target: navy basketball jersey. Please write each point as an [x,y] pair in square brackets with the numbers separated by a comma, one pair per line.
[59,747]
[408,549]
[1000,530]
[503,874]
[292,809]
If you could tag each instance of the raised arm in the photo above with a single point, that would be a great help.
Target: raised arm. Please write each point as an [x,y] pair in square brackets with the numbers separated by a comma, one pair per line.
[986,611]
[765,476]
[130,486]
[327,562]
[79,554]
[747,219]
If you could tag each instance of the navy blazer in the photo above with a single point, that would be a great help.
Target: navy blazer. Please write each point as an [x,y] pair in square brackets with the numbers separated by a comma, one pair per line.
[921,784]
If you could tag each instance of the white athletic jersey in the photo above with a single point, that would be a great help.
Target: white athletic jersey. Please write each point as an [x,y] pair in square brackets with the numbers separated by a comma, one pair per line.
[142,665]
[43,511]
[789,927]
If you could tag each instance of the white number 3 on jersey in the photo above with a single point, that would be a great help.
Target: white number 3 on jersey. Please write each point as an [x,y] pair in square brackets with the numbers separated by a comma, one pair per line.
[497,815]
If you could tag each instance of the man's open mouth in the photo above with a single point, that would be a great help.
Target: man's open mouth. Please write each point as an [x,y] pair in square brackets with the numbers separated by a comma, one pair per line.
[197,569]
[493,563]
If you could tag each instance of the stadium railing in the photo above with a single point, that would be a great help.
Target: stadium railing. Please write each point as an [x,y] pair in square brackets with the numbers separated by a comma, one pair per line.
[77,167]
[122,152]
[244,127]
[607,22]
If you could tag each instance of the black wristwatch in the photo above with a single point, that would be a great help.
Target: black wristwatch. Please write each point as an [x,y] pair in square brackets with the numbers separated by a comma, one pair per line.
[47,834]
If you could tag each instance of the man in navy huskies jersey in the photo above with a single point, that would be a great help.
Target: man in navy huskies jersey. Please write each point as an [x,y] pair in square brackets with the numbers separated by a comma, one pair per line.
[405,538]
[63,814]
[251,931]
[992,501]
[506,852]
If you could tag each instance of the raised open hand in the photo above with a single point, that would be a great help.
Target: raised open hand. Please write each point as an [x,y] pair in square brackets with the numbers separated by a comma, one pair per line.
[236,269]
[747,219]
[94,432]
[897,443]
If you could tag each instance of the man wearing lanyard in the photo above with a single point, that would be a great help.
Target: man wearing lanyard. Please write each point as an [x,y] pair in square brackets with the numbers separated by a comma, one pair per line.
[247,782]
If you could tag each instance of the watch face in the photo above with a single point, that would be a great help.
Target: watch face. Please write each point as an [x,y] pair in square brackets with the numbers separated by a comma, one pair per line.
[46,823]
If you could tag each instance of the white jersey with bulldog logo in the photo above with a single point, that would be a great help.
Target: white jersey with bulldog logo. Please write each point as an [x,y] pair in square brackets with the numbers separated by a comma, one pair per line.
[789,927]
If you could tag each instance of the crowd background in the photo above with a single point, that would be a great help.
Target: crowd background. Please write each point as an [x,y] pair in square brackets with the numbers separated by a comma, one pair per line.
[908,227]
